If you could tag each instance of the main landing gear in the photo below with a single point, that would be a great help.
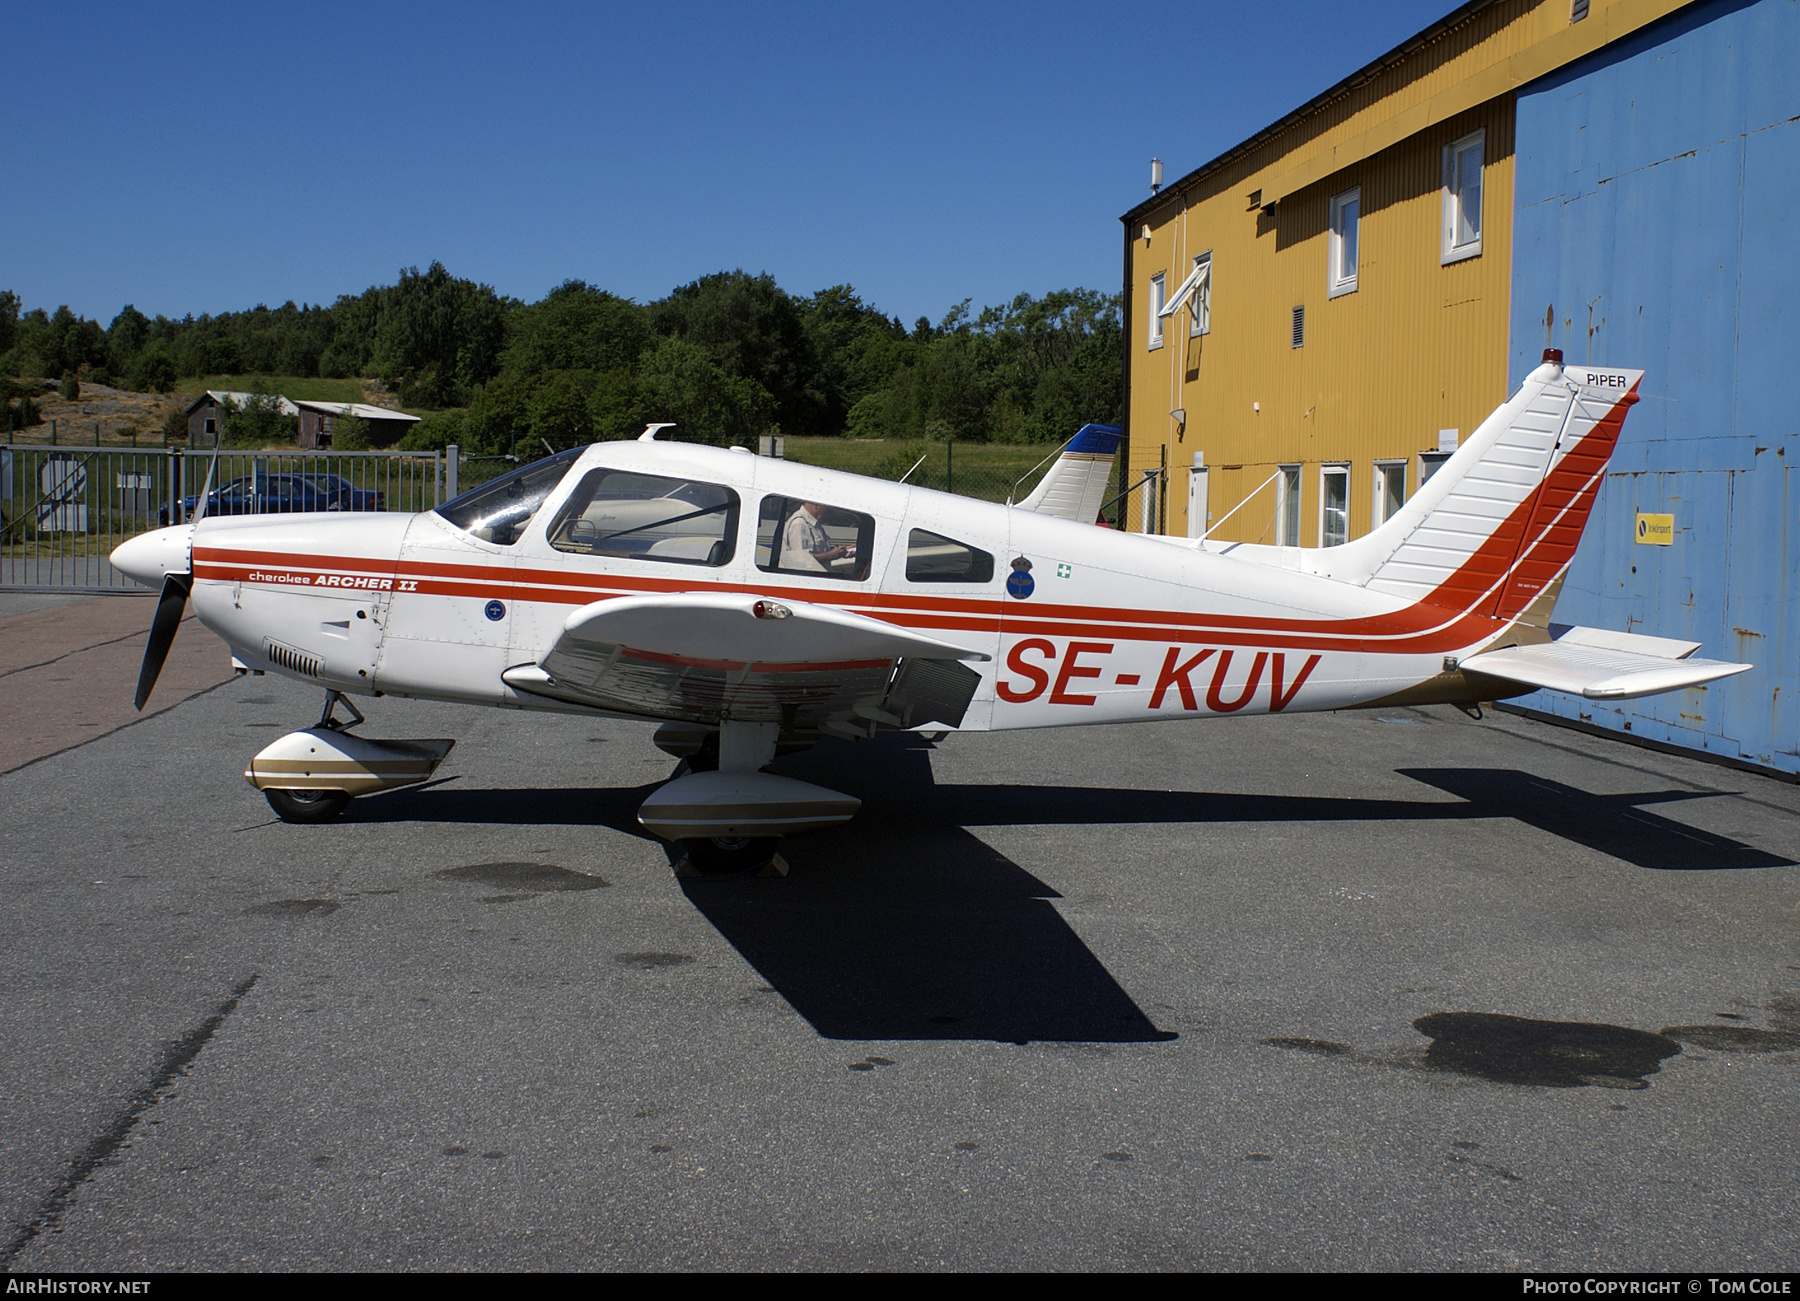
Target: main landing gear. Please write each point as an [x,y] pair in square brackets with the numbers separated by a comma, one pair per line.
[724,814]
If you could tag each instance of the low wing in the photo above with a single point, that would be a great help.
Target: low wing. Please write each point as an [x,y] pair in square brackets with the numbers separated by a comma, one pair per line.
[1603,665]
[703,657]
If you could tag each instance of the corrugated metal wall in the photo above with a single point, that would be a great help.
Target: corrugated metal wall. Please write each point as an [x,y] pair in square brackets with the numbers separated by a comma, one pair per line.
[1657,185]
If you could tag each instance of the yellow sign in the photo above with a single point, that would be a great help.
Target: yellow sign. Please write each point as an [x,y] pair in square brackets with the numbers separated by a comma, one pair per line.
[1655,530]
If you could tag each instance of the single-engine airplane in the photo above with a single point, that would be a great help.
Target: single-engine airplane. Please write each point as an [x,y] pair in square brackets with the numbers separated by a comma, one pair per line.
[753,606]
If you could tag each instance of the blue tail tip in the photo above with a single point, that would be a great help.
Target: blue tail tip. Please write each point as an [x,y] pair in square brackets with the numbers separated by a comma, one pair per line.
[1099,440]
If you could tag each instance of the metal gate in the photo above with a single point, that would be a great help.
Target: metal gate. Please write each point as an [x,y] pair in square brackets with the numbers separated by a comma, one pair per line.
[63,510]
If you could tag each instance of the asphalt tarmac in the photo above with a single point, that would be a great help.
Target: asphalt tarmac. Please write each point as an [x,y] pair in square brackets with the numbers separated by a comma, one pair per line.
[1360,991]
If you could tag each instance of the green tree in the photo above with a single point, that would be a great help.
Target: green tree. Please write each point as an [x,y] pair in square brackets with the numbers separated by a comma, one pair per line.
[678,381]
[576,327]
[153,371]
[71,387]
[749,329]
[438,335]
[21,412]
[435,432]
[9,320]
[557,410]
[258,422]
[349,433]
[496,418]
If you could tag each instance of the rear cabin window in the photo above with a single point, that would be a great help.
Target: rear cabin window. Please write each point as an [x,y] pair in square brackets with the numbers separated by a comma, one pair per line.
[932,558]
[647,517]
[499,510]
[809,537]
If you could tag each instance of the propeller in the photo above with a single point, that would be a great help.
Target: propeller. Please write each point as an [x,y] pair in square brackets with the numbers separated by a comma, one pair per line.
[171,605]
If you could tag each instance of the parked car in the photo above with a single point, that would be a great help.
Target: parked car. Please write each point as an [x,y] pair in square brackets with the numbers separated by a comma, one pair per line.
[281,493]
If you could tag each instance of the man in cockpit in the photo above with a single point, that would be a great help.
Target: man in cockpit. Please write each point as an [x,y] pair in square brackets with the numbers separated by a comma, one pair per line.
[805,536]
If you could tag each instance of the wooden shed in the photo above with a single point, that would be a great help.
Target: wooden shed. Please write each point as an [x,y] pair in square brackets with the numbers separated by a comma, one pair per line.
[206,414]
[386,427]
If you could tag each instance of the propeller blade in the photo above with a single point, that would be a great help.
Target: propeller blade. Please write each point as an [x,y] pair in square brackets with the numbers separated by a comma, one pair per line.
[205,492]
[170,606]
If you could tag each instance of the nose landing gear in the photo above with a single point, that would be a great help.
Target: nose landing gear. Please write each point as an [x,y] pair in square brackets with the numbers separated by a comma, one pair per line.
[310,776]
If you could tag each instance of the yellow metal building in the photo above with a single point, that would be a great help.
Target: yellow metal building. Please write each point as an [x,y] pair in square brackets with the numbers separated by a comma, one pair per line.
[1318,314]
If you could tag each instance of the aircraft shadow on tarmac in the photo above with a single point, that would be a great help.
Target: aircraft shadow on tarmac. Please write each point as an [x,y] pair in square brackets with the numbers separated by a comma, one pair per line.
[935,935]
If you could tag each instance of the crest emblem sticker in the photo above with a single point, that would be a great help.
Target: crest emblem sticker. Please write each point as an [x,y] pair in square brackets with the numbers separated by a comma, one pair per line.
[495,611]
[1019,583]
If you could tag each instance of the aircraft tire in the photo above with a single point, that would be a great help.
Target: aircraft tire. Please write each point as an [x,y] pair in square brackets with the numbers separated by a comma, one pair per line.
[727,856]
[307,807]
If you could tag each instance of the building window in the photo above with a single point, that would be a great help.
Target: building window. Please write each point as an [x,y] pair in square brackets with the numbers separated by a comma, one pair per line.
[212,426]
[1298,338]
[1578,9]
[1334,505]
[1429,464]
[1195,294]
[1200,305]
[1159,292]
[1287,507]
[1390,491]
[1346,210]
[1462,198]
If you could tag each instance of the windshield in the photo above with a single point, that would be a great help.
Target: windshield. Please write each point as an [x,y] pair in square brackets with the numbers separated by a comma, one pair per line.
[499,510]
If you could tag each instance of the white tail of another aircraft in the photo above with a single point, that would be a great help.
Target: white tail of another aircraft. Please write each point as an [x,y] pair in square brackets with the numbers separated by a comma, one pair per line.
[1075,487]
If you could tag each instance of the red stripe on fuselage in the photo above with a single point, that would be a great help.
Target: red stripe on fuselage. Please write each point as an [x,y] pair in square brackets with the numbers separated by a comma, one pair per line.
[1535,542]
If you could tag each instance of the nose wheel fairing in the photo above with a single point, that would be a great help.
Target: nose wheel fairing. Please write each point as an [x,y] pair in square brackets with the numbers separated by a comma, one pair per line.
[328,759]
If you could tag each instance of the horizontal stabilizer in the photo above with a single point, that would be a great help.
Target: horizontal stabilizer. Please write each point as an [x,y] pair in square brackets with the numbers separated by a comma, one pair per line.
[1075,487]
[1603,665]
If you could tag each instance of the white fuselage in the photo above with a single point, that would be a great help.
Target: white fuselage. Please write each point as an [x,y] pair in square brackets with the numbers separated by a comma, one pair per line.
[1101,627]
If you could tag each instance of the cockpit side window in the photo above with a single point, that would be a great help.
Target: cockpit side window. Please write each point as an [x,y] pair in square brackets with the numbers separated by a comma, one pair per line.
[499,510]
[647,517]
[806,537]
[932,558]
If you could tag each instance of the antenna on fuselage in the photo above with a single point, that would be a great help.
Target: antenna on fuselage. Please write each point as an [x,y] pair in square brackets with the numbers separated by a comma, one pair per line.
[649,434]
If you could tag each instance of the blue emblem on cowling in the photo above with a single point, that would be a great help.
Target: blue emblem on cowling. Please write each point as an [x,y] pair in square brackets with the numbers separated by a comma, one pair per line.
[495,611]
[1019,583]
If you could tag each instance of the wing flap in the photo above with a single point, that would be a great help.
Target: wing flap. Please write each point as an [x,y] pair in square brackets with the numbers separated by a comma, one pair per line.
[1600,667]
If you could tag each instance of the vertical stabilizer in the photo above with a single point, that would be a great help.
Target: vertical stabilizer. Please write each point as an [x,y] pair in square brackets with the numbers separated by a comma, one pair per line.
[1075,487]
[1498,523]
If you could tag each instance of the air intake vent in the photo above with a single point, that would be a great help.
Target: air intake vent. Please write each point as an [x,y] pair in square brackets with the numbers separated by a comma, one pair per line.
[1299,328]
[294,661]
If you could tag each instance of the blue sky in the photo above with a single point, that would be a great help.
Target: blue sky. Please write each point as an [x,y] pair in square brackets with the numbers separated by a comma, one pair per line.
[206,158]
